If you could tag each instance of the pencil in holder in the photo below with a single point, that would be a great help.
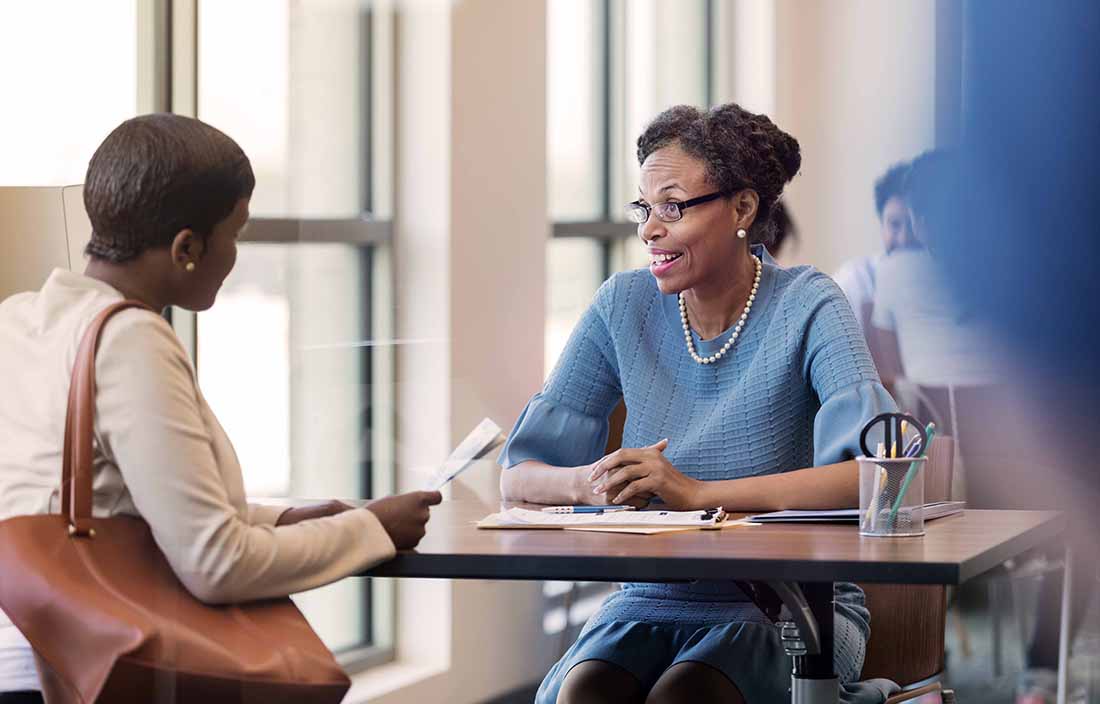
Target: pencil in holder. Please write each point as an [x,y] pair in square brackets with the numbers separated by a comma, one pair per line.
[891,496]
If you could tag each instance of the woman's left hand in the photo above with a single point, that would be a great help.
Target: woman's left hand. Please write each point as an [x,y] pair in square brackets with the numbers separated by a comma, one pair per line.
[645,470]
[305,513]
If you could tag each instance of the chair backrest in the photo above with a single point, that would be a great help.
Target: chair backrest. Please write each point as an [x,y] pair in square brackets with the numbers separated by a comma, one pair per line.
[908,623]
[991,428]
[41,229]
[939,471]
[615,435]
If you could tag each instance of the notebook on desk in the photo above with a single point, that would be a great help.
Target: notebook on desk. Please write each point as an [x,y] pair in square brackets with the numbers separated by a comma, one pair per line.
[934,510]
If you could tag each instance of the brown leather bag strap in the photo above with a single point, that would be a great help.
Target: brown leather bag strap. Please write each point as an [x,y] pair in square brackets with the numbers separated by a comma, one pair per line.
[76,471]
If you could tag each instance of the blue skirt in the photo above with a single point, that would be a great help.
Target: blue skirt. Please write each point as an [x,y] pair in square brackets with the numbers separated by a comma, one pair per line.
[749,654]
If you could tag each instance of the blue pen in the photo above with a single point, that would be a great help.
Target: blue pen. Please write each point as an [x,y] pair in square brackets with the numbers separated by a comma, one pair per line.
[914,448]
[586,509]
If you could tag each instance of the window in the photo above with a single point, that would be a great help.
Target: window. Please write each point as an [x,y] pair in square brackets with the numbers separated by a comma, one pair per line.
[305,395]
[612,65]
[74,107]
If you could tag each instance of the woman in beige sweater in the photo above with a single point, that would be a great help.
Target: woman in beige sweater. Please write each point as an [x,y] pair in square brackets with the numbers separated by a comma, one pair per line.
[167,197]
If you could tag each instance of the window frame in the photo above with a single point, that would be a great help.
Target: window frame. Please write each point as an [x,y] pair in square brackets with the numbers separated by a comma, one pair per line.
[611,229]
[167,36]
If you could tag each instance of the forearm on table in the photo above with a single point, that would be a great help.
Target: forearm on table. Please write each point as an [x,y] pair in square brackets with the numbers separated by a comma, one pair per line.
[539,483]
[826,487]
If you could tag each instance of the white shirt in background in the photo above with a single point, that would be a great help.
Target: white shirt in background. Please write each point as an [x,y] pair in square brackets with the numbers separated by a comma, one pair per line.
[939,343]
[160,454]
[856,279]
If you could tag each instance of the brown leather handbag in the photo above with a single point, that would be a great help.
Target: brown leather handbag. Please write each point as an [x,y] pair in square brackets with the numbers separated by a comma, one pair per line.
[110,622]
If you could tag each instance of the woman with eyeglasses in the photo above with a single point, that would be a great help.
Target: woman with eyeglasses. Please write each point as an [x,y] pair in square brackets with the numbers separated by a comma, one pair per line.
[746,386]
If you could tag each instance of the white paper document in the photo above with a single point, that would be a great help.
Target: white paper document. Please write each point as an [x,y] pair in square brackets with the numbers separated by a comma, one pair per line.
[482,440]
[645,522]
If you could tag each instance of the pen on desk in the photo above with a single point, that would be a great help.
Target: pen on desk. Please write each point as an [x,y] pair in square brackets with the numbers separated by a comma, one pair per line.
[586,509]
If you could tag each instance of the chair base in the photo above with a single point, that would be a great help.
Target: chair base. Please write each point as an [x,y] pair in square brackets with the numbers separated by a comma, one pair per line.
[809,691]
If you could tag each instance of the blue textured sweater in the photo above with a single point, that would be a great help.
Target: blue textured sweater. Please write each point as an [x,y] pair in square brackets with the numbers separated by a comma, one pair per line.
[794,391]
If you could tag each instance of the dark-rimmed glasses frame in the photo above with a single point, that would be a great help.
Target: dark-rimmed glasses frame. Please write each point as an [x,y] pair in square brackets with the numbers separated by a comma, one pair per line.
[669,211]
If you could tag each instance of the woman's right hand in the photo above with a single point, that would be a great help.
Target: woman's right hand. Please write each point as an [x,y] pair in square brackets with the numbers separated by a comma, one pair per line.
[405,515]
[639,501]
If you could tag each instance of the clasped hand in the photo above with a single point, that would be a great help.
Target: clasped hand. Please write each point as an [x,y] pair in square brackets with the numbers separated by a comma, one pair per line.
[635,475]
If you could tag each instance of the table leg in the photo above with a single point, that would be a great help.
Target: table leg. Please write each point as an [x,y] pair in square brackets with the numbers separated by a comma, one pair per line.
[809,639]
[1064,627]
[994,587]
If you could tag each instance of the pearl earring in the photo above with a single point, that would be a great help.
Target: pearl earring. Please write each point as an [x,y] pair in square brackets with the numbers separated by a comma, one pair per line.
[742,234]
[189,267]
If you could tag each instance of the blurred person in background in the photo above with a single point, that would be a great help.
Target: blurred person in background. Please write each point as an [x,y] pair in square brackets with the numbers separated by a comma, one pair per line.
[785,232]
[921,331]
[856,277]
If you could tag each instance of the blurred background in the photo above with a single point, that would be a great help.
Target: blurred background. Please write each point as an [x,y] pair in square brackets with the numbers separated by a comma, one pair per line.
[439,194]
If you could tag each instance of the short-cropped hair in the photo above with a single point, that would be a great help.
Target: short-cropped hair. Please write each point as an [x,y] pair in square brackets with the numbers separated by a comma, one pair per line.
[155,175]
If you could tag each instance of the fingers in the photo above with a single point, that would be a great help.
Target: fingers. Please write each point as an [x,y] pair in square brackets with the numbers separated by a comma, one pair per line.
[603,464]
[622,475]
[612,463]
[431,498]
[625,455]
[633,490]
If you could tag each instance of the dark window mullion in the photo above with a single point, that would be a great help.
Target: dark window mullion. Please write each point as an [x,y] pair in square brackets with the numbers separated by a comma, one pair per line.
[366,61]
[366,259]
[608,132]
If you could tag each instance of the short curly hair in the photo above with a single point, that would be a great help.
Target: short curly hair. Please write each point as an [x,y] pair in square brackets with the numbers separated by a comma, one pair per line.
[157,174]
[890,185]
[739,149]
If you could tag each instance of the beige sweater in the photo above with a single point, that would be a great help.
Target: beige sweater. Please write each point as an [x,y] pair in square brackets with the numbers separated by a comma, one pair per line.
[160,454]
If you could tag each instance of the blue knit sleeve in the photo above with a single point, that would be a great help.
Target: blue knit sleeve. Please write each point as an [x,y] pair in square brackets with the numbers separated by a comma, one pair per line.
[566,424]
[839,367]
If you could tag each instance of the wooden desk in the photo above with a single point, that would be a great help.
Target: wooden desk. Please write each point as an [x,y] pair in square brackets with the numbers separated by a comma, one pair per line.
[800,562]
[955,549]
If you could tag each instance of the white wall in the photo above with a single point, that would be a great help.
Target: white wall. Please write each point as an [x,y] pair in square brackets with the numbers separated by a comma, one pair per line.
[855,84]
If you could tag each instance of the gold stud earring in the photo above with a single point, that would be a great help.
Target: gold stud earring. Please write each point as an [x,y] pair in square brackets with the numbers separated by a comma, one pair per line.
[189,267]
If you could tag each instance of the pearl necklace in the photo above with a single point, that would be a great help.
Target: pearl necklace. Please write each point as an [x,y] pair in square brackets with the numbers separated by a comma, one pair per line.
[736,331]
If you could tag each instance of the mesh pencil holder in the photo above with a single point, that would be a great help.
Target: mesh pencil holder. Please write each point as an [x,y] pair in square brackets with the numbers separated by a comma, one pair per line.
[881,481]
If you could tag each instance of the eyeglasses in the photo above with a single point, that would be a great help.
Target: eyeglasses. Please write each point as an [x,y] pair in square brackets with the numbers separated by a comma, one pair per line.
[669,211]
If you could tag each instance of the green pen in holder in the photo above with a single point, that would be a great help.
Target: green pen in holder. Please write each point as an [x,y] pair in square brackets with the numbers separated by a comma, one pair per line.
[914,469]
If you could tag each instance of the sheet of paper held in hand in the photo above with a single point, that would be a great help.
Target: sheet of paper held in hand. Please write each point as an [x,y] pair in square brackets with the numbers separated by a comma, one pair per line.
[638,522]
[482,440]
